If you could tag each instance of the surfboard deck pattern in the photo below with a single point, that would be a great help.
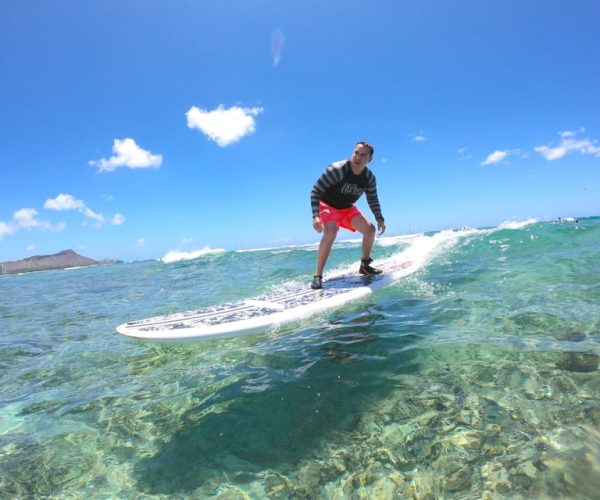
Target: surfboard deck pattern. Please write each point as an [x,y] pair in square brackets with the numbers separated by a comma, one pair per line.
[243,317]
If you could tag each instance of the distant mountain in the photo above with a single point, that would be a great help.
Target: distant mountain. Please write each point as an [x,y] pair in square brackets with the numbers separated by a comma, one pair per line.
[60,260]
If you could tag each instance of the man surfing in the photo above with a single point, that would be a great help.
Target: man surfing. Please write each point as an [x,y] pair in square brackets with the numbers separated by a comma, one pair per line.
[332,201]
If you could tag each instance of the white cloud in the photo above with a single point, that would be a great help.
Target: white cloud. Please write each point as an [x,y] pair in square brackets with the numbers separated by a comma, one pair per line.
[277,41]
[6,229]
[99,218]
[27,218]
[464,154]
[418,136]
[571,133]
[127,154]
[495,157]
[569,144]
[224,126]
[141,242]
[68,202]
[64,202]
[118,219]
[30,248]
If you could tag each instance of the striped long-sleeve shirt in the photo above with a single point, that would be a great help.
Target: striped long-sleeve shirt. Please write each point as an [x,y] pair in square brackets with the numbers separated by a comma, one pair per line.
[341,188]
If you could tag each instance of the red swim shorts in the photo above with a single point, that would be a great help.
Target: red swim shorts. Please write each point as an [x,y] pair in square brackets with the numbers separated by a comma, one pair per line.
[342,216]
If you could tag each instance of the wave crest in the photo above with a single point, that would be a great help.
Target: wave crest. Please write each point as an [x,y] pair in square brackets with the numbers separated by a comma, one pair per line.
[177,256]
[511,224]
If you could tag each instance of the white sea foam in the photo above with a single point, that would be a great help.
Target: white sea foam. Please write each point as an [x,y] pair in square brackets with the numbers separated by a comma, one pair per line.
[282,249]
[390,241]
[176,256]
[510,224]
[420,252]
[384,241]
[412,239]
[351,241]
[424,249]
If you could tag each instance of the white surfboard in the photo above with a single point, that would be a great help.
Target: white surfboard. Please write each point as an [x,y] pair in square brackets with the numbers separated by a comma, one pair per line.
[244,317]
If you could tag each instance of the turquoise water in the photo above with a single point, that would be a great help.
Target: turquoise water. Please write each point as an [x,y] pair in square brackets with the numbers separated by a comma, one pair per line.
[474,377]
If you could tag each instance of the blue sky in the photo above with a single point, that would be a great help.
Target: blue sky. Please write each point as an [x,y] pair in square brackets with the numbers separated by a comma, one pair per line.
[129,129]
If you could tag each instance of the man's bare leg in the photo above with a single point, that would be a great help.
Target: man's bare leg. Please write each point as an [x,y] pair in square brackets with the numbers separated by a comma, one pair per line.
[329,234]
[368,231]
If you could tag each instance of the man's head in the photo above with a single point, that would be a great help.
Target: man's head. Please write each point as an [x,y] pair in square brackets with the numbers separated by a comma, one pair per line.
[363,154]
[366,145]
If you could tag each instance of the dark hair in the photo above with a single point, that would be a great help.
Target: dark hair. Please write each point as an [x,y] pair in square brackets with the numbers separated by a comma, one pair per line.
[366,145]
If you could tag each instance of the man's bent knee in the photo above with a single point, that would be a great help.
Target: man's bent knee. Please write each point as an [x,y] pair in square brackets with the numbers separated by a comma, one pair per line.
[370,230]
[331,228]
[330,231]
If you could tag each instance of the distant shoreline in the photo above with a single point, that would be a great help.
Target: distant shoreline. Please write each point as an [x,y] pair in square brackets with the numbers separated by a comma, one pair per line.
[66,259]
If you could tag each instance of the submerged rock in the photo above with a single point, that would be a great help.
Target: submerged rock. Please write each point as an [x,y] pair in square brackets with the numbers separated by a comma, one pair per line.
[583,362]
[576,361]
[572,336]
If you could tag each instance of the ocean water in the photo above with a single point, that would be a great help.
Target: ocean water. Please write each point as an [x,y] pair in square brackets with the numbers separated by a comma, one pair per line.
[476,376]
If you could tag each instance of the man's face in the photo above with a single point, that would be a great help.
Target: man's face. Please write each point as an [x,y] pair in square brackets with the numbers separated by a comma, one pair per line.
[361,156]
